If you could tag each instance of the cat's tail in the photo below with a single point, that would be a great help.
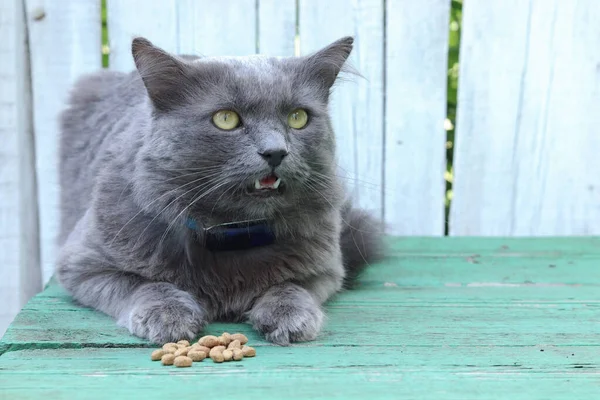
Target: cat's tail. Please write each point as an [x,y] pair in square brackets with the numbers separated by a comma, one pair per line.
[361,242]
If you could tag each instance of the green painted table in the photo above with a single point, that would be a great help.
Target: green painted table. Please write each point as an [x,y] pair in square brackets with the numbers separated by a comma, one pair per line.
[441,319]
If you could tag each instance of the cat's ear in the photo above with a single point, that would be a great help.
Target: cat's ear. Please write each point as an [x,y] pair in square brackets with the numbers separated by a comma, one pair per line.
[167,78]
[326,64]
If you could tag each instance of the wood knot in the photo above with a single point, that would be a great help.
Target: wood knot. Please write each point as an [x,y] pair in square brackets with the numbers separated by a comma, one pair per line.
[38,13]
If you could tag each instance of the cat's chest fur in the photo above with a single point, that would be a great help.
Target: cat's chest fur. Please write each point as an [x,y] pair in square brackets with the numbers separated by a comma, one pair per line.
[231,280]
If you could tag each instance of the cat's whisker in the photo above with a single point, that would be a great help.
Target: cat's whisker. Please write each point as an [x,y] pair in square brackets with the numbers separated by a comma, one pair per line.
[205,169]
[145,207]
[215,187]
[349,175]
[219,198]
[182,176]
[195,188]
[348,178]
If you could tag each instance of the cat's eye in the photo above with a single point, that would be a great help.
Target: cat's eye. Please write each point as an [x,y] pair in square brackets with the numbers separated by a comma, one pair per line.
[226,120]
[298,119]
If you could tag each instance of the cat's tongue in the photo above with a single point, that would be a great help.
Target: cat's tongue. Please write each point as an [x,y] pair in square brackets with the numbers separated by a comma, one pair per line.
[268,182]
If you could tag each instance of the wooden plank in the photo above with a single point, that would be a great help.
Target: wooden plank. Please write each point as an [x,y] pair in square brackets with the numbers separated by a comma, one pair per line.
[221,28]
[312,373]
[198,27]
[496,247]
[510,359]
[529,109]
[276,27]
[404,333]
[155,20]
[20,274]
[528,297]
[357,106]
[482,323]
[415,159]
[64,40]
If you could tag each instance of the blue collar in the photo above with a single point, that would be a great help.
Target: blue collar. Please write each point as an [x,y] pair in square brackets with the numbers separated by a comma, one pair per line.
[234,236]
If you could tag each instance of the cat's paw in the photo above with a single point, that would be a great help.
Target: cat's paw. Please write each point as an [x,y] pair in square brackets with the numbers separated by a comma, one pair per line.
[165,319]
[287,315]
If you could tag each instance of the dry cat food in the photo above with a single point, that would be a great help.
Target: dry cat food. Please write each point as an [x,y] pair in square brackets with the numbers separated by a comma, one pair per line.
[219,348]
[182,361]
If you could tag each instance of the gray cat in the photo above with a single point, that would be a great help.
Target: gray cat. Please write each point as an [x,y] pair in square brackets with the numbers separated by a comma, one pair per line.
[204,189]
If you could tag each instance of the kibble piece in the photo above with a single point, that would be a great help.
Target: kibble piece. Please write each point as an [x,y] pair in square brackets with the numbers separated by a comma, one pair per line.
[170,348]
[209,341]
[216,350]
[203,348]
[216,354]
[238,336]
[227,355]
[224,340]
[238,354]
[157,354]
[184,342]
[196,355]
[217,357]
[197,347]
[248,351]
[182,361]
[181,352]
[167,359]
[236,344]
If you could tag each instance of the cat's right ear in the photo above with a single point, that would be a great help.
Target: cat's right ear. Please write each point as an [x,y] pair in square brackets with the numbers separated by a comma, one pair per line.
[167,78]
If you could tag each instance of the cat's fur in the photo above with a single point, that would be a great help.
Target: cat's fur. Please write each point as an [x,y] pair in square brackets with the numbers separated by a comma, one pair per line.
[140,154]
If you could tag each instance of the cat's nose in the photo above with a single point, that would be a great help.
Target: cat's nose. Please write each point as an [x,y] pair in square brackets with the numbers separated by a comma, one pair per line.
[274,157]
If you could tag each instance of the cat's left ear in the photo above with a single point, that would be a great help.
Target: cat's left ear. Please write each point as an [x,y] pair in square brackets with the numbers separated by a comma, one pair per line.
[326,64]
[167,78]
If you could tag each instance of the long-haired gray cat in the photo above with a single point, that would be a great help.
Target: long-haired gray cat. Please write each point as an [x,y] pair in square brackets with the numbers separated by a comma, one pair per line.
[203,189]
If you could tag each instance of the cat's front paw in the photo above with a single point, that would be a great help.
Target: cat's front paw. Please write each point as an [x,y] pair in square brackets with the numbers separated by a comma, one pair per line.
[288,314]
[166,318]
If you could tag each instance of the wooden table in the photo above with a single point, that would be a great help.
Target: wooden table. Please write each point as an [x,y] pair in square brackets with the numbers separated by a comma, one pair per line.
[443,318]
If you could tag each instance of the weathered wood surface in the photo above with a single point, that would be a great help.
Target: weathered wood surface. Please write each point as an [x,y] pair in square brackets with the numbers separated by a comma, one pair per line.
[20,275]
[208,28]
[451,318]
[415,109]
[276,27]
[528,128]
[64,38]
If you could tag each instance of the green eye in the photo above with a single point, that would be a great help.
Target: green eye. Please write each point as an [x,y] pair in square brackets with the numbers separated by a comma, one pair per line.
[226,120]
[298,119]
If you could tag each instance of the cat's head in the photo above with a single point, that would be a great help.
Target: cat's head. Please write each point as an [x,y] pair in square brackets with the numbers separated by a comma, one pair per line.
[242,137]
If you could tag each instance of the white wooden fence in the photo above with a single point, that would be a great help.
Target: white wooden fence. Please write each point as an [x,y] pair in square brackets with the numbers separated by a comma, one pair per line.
[527,154]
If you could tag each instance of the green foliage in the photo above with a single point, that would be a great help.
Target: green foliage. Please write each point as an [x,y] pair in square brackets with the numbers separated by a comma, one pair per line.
[105,48]
[452,93]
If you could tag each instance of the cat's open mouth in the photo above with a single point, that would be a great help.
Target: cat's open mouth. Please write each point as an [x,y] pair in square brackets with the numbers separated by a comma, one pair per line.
[267,186]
